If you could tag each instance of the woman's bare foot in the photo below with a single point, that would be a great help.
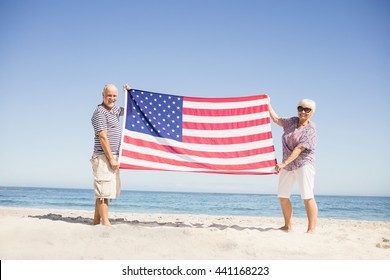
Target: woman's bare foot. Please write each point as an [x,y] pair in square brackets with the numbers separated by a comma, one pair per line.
[285,228]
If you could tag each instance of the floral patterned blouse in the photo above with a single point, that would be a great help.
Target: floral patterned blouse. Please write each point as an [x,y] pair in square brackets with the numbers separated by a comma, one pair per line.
[292,137]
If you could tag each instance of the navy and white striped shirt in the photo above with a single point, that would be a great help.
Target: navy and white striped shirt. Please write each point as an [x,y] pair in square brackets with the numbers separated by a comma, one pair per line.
[102,119]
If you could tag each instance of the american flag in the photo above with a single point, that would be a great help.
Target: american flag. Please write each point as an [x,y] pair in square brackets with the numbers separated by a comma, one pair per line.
[192,134]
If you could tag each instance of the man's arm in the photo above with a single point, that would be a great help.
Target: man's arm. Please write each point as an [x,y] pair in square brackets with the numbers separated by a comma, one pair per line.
[126,88]
[107,149]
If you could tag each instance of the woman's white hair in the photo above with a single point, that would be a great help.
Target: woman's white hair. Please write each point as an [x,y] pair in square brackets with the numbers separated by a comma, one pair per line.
[307,103]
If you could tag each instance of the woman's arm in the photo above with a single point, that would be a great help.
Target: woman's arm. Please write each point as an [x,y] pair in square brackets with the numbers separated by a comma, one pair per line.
[275,118]
[295,153]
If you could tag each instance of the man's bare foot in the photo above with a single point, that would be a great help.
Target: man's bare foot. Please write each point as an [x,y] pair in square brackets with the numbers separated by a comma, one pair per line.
[312,231]
[107,225]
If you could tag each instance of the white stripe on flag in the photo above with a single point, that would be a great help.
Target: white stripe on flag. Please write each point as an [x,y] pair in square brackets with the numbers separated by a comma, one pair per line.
[227,132]
[200,147]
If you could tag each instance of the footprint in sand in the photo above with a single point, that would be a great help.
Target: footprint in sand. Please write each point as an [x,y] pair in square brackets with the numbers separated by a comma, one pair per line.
[385,244]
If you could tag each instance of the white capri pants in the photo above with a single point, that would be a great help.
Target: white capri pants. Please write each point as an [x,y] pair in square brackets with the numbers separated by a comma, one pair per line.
[303,176]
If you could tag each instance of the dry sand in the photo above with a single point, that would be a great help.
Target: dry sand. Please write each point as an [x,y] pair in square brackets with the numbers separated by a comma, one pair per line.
[51,234]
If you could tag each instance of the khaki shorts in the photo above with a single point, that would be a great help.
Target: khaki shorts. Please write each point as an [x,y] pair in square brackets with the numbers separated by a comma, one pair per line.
[303,176]
[107,182]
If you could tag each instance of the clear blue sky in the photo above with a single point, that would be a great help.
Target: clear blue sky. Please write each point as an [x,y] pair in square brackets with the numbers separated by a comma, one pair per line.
[56,56]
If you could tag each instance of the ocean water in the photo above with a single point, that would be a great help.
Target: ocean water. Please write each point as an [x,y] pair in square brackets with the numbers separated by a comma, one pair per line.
[338,207]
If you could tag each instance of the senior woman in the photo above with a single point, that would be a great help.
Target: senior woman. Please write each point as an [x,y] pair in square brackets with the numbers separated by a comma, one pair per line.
[299,141]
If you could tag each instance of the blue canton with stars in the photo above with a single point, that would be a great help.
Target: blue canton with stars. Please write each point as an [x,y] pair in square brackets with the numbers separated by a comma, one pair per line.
[155,114]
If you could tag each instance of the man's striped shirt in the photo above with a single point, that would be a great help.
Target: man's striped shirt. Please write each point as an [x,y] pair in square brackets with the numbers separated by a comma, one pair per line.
[102,119]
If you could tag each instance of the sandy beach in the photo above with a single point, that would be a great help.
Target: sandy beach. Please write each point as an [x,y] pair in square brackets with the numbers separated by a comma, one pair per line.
[51,234]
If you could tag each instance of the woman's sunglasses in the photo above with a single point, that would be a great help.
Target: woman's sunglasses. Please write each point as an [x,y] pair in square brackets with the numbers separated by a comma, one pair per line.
[301,109]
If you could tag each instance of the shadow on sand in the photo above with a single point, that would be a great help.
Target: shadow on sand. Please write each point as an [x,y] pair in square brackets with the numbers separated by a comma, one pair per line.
[89,221]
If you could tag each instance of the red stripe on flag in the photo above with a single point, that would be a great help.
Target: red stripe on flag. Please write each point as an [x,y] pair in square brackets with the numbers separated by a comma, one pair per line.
[226,99]
[222,126]
[138,167]
[231,172]
[224,112]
